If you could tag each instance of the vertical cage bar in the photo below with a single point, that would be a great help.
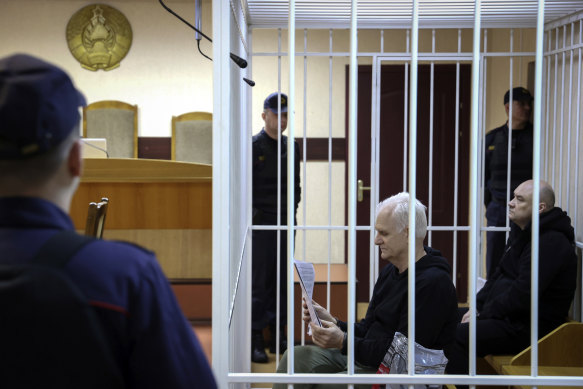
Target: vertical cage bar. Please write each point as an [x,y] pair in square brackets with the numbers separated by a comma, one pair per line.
[562,116]
[456,163]
[554,183]
[304,172]
[291,123]
[578,152]
[510,130]
[329,169]
[278,279]
[570,99]
[304,141]
[374,121]
[536,189]
[431,102]
[412,185]
[221,195]
[481,270]
[406,117]
[548,105]
[352,129]
[473,206]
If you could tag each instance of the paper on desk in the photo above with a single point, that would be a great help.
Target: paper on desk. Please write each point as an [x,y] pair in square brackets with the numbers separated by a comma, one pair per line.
[307,275]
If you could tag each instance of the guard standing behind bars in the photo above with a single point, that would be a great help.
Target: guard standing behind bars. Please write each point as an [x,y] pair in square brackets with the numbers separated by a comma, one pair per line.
[265,211]
[496,169]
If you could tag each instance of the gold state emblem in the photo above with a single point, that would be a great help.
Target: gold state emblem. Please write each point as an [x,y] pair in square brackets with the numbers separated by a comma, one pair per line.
[99,37]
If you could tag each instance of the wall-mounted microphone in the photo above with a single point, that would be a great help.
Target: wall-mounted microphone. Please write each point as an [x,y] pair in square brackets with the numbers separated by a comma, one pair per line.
[239,61]
[197,18]
[248,81]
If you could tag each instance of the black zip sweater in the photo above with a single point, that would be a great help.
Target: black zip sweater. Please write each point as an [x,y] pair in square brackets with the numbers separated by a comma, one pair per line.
[506,294]
[435,310]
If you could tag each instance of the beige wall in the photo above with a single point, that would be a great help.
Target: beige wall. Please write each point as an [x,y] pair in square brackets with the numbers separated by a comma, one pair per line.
[163,72]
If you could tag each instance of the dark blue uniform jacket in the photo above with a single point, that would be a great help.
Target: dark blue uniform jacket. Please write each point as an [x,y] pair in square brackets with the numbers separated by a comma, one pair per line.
[152,341]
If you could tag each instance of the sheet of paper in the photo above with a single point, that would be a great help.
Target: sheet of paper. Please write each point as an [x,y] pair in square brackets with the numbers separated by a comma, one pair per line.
[307,275]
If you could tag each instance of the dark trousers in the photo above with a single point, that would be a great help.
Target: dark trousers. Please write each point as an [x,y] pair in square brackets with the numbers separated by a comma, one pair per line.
[264,279]
[496,240]
[492,337]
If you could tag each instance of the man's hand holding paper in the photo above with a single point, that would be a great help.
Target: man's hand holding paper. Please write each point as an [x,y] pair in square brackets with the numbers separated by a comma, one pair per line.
[327,336]
[322,313]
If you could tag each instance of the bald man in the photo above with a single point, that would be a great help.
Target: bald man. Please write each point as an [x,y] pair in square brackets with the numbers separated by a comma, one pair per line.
[503,304]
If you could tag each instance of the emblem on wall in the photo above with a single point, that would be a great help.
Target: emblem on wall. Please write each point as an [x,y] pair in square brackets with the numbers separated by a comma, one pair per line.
[99,37]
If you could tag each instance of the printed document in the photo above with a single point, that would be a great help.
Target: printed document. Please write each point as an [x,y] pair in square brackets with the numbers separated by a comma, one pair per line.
[307,275]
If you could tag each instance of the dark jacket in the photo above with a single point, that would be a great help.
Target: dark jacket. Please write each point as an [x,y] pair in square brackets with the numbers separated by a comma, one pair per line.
[506,294]
[152,341]
[435,310]
[496,161]
[265,172]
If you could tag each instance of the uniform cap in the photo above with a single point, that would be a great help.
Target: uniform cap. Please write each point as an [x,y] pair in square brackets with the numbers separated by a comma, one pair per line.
[39,106]
[271,102]
[518,94]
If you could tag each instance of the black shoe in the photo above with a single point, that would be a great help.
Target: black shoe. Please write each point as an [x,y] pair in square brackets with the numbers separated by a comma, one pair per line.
[282,346]
[282,340]
[258,354]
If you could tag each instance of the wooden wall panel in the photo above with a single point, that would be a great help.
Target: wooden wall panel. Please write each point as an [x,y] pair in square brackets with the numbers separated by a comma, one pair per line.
[181,253]
[147,205]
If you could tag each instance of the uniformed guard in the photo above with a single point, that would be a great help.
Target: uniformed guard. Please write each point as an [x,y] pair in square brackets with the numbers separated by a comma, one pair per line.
[152,343]
[268,164]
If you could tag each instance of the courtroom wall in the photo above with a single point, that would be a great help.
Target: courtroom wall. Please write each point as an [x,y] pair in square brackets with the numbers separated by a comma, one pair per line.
[163,72]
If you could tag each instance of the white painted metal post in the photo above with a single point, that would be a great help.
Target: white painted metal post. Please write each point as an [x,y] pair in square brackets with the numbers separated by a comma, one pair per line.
[536,188]
[474,184]
[412,185]
[352,138]
[221,191]
[291,125]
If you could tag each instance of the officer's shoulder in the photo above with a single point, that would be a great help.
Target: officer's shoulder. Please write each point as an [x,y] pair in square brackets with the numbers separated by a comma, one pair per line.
[495,130]
[492,133]
[119,250]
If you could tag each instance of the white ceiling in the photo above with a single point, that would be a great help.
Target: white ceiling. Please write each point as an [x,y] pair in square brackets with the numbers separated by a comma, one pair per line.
[388,14]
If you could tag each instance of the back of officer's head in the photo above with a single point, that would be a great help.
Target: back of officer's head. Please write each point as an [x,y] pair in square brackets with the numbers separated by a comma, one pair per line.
[39,119]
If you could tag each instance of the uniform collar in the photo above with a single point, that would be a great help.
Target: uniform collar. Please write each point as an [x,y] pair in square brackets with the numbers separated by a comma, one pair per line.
[32,212]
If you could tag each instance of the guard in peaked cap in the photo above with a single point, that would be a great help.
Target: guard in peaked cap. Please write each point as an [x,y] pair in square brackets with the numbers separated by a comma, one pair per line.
[271,102]
[39,106]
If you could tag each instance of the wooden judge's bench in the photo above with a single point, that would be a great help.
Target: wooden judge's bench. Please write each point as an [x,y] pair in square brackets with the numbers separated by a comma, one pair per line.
[165,206]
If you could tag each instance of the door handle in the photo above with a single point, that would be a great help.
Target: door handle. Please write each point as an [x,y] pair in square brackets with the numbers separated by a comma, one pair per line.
[361,189]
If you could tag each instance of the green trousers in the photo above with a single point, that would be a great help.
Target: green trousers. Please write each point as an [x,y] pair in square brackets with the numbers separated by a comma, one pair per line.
[314,359]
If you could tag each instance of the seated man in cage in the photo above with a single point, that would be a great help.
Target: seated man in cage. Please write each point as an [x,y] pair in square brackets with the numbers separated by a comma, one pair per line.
[503,304]
[435,302]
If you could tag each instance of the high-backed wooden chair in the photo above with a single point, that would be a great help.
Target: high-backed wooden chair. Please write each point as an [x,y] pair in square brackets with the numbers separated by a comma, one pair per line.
[115,121]
[192,137]
[96,218]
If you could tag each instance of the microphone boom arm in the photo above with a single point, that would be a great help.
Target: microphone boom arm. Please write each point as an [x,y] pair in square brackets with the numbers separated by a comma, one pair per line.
[238,60]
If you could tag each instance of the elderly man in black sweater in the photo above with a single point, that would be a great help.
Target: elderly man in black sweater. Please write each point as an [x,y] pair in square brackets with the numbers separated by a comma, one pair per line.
[503,304]
[435,302]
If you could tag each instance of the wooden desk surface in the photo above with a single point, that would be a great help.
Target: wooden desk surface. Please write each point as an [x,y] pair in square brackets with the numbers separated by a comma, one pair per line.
[144,170]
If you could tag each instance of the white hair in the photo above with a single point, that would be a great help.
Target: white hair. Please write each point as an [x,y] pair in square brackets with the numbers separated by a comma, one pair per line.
[400,205]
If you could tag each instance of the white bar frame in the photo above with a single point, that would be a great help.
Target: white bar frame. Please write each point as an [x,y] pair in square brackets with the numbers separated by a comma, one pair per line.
[515,380]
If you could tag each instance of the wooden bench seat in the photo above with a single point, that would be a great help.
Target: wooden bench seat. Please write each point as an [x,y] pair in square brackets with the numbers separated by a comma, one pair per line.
[498,361]
[560,353]
[544,371]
